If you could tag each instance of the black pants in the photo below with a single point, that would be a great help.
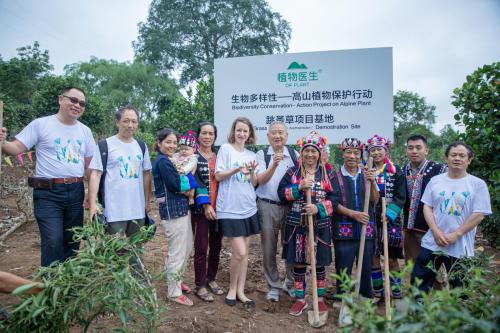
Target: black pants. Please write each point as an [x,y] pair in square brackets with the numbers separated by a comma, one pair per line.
[57,211]
[422,272]
[345,254]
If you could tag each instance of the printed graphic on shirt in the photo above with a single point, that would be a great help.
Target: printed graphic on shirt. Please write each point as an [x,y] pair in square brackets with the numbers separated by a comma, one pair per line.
[452,204]
[129,166]
[240,176]
[69,152]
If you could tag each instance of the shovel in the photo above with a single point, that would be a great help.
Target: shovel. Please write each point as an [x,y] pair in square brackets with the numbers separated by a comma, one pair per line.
[387,286]
[315,318]
[344,317]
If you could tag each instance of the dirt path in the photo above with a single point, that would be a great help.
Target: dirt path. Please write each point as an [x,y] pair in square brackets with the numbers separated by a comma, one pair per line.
[21,255]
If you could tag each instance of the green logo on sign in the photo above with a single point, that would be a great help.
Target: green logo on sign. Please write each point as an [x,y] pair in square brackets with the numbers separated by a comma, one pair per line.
[297,75]
[295,65]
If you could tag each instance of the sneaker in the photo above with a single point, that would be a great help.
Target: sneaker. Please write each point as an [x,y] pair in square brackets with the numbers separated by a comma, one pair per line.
[322,306]
[273,295]
[297,308]
[288,289]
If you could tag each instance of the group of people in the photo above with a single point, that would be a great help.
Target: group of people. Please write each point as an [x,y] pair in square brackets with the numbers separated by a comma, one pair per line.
[204,195]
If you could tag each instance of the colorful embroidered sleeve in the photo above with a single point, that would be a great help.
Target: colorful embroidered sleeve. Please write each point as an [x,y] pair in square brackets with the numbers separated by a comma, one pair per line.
[202,197]
[392,211]
[184,184]
[398,195]
[288,190]
[292,192]
[325,208]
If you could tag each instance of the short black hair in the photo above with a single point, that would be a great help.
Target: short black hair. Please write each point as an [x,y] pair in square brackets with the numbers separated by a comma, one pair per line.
[162,134]
[68,88]
[416,137]
[122,109]
[470,152]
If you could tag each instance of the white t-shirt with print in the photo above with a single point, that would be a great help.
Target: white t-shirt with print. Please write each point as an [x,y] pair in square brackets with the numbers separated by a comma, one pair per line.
[124,185]
[236,194]
[60,148]
[453,201]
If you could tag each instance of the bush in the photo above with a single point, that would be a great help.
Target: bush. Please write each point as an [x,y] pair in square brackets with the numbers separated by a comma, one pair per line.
[472,308]
[478,101]
[98,281]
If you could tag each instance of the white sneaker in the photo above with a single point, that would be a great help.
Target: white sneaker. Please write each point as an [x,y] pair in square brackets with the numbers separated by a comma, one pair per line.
[273,295]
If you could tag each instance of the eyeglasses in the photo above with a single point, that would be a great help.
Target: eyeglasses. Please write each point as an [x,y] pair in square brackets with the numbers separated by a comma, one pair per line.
[75,100]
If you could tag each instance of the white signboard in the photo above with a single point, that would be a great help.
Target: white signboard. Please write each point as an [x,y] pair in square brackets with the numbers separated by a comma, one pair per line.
[339,94]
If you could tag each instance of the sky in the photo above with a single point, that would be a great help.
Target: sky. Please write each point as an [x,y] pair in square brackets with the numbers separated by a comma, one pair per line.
[436,44]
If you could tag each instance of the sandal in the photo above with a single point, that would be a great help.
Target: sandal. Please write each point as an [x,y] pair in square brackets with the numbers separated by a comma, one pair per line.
[185,289]
[216,290]
[205,297]
[183,300]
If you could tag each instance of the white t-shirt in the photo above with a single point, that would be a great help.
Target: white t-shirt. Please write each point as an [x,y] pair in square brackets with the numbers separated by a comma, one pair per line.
[236,195]
[269,190]
[124,185]
[60,148]
[453,201]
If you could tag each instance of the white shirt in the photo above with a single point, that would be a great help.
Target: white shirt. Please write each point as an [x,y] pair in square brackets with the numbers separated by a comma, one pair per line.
[269,190]
[60,148]
[236,195]
[124,185]
[453,201]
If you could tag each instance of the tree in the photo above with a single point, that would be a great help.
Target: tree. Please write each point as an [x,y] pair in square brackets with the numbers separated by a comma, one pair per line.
[187,35]
[117,84]
[410,108]
[478,104]
[96,115]
[187,113]
[413,115]
[20,77]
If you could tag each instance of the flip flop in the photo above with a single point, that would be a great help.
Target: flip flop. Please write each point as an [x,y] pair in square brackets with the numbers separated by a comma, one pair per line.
[215,290]
[205,297]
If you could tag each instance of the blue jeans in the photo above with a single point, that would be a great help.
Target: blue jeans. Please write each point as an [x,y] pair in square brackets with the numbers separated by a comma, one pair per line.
[346,252]
[57,211]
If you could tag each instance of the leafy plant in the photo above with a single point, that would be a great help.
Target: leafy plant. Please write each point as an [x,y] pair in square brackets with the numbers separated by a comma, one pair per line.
[475,307]
[99,281]
[478,101]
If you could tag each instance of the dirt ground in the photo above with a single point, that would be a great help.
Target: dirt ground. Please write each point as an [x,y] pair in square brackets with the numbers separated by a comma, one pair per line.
[20,254]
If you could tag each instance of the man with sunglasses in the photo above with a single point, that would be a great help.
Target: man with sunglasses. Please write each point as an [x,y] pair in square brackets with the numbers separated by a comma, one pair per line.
[64,148]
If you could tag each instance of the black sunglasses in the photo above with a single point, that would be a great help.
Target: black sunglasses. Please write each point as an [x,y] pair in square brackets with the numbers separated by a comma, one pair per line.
[75,100]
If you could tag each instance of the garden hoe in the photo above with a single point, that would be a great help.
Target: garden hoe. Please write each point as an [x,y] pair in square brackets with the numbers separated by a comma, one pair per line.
[387,285]
[315,318]
[344,316]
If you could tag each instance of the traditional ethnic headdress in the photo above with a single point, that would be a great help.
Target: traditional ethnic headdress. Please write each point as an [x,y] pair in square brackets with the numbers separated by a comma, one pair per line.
[188,139]
[377,141]
[352,143]
[312,139]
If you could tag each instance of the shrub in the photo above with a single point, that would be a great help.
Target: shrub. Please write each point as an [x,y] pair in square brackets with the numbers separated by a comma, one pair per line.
[98,281]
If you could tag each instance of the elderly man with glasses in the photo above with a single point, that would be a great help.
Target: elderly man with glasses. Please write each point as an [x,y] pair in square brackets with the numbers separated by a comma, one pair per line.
[64,148]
